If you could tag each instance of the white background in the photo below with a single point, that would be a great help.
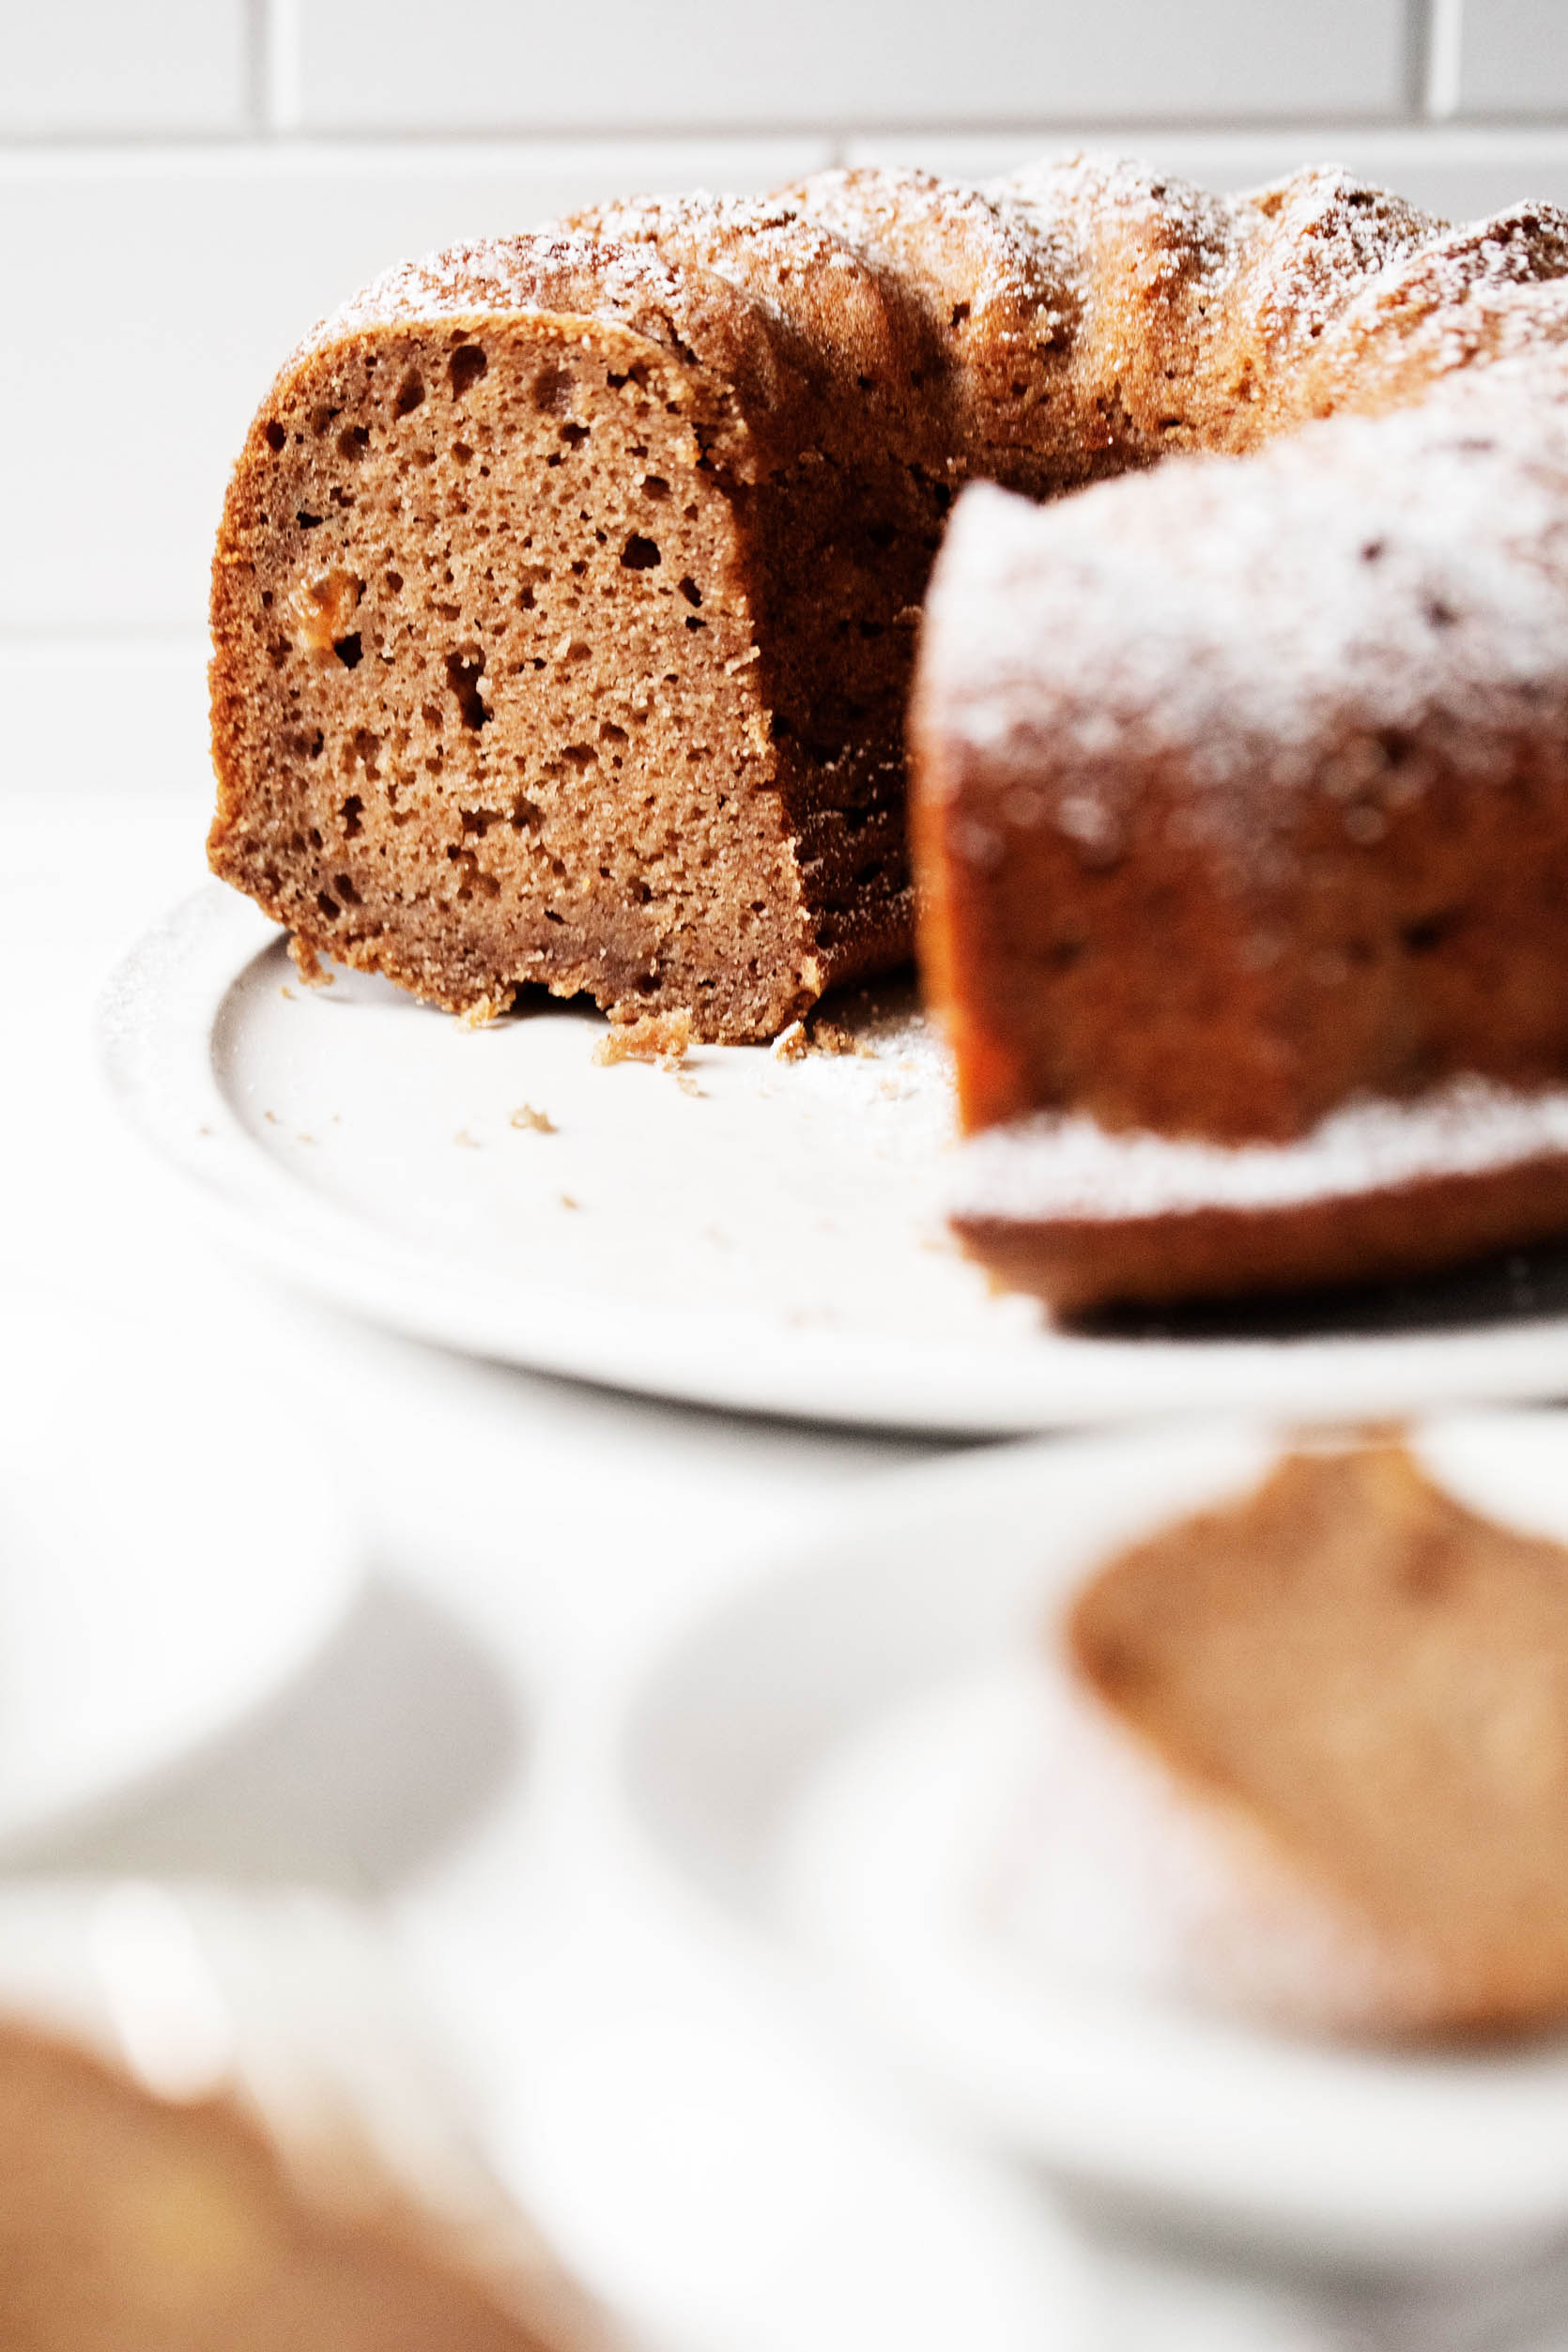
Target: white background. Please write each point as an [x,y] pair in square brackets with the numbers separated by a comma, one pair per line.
[185,185]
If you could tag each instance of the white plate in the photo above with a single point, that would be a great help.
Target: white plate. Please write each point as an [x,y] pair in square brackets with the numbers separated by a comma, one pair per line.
[763,1236]
[160,1576]
[842,1756]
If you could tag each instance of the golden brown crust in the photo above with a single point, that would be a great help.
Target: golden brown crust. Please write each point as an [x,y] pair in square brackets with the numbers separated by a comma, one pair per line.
[999,301]
[1491,290]
[575,281]
[845,328]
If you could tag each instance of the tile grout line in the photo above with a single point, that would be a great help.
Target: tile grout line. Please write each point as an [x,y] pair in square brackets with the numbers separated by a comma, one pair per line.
[548,148]
[1444,58]
[282,80]
[255,69]
[1418,49]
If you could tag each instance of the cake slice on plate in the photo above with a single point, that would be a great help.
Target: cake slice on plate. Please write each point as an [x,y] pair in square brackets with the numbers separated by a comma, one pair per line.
[1308,1758]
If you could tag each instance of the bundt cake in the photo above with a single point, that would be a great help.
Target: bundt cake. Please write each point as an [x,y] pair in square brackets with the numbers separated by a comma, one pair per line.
[565,595]
[1305,1754]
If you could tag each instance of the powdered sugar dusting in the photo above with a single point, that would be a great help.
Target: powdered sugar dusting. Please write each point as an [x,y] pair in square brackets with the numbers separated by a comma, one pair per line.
[1279,263]
[1023,265]
[1003,258]
[1067,1167]
[1119,1870]
[1311,240]
[745,240]
[1491,289]
[1522,245]
[1069,204]
[507,274]
[1261,619]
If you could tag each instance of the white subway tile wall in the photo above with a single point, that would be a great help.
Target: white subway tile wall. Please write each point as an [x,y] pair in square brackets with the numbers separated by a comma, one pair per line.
[71,68]
[186,184]
[529,67]
[168,288]
[1512,57]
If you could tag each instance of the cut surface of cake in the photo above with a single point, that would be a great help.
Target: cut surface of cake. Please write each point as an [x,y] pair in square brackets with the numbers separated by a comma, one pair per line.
[493,695]
[1316,1740]
[565,598]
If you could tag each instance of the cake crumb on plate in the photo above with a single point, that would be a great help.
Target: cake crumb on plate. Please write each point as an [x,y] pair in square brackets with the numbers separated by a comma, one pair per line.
[308,964]
[662,1037]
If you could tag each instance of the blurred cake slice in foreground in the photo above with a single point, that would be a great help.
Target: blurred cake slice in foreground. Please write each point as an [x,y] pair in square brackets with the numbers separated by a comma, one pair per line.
[222,2130]
[1308,1758]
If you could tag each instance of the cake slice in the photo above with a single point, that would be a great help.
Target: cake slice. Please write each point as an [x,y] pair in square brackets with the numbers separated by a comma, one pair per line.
[1309,1756]
[225,2127]
[563,614]
[133,2225]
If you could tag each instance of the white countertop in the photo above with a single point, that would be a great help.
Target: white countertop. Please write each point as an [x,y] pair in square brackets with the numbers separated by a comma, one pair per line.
[531,1542]
[699,2133]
